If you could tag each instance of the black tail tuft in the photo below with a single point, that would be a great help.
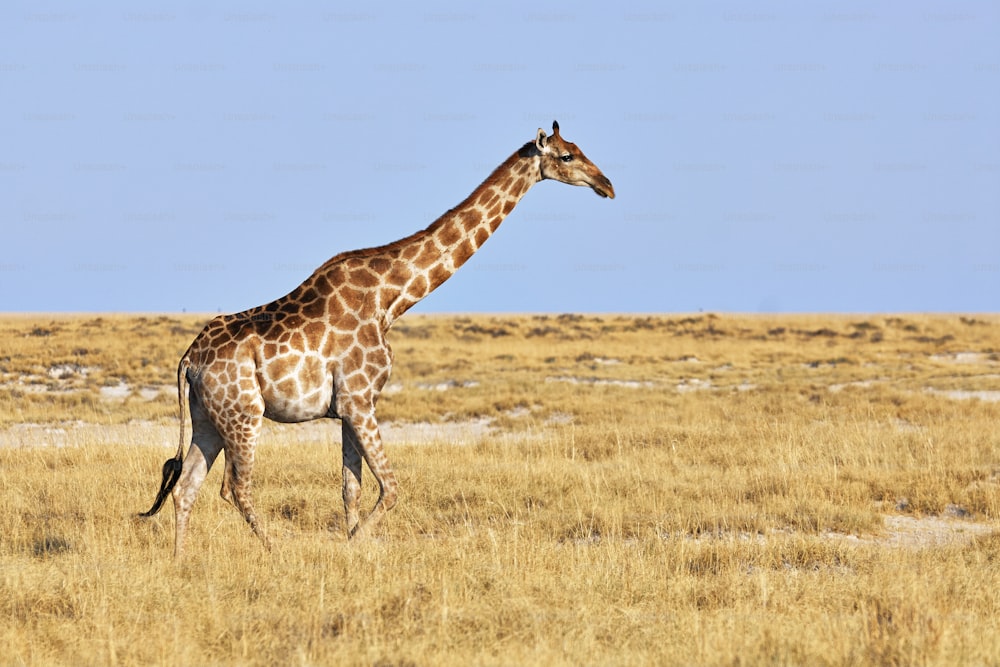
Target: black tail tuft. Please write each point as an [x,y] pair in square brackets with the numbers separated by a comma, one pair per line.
[171,473]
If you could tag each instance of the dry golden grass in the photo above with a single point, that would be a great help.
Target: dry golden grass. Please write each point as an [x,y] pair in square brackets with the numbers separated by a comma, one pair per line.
[649,490]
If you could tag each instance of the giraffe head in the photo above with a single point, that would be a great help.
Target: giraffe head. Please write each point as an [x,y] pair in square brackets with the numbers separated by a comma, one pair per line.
[564,161]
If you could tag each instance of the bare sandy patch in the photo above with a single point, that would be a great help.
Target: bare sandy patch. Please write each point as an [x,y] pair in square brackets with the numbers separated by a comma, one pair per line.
[78,434]
[987,395]
[116,392]
[324,431]
[70,371]
[693,384]
[860,384]
[328,431]
[911,532]
[601,382]
[446,385]
[963,358]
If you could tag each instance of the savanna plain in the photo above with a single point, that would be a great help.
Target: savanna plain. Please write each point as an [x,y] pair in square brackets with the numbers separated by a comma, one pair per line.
[675,490]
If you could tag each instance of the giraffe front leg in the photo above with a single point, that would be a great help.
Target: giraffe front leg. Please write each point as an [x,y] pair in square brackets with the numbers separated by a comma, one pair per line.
[242,498]
[241,442]
[369,443]
[352,477]
[226,493]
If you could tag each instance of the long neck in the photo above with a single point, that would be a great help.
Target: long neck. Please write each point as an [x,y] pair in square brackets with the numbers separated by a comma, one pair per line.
[437,252]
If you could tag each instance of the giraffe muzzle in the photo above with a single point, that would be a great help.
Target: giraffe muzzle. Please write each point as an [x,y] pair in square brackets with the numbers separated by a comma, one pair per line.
[602,186]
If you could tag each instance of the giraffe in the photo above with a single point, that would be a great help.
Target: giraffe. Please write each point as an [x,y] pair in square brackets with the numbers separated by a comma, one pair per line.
[321,350]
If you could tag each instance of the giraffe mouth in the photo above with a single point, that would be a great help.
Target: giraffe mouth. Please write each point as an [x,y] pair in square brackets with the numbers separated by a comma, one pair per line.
[602,186]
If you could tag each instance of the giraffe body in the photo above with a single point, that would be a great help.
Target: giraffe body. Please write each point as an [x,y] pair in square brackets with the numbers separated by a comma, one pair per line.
[321,350]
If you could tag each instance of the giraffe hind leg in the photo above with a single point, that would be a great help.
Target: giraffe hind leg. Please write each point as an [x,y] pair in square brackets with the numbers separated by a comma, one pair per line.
[206,443]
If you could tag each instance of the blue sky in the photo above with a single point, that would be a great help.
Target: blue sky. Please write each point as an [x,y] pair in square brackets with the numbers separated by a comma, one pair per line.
[767,157]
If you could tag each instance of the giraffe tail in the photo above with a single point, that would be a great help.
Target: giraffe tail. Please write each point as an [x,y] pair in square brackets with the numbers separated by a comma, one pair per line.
[172,467]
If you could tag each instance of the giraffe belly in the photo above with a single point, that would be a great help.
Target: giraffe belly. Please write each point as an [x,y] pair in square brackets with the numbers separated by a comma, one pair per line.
[302,395]
[281,407]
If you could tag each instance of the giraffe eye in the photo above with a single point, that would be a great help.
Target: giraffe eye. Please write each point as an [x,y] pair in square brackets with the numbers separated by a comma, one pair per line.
[566,158]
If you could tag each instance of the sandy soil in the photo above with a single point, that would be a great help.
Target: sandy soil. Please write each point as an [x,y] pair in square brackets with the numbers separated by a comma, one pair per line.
[149,433]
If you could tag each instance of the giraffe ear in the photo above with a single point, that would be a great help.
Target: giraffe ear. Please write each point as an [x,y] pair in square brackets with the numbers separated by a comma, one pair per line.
[541,140]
